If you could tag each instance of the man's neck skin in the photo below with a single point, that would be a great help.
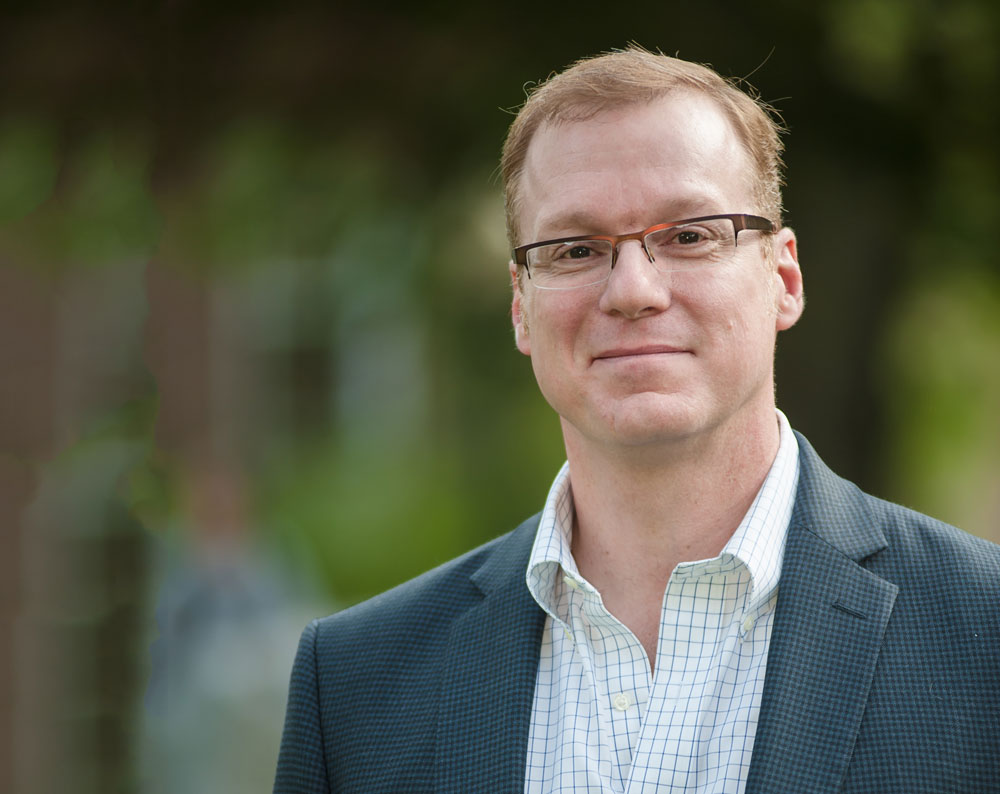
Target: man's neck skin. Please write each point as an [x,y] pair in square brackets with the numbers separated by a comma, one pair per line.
[639,515]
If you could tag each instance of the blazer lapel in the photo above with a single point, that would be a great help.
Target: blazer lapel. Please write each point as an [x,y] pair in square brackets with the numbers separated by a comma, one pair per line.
[829,624]
[488,678]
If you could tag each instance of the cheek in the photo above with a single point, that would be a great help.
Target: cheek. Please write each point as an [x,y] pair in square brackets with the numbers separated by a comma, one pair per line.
[554,322]
[739,318]
[723,308]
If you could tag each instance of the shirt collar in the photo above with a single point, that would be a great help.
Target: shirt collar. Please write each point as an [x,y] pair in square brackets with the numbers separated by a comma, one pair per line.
[758,542]
[551,559]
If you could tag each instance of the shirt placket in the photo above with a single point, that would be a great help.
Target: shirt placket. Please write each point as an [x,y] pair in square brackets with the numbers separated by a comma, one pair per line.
[619,674]
[693,626]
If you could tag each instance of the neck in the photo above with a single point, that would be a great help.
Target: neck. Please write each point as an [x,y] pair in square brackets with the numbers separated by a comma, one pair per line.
[641,512]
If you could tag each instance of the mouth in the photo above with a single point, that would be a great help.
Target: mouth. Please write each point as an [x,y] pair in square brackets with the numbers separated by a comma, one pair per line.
[620,353]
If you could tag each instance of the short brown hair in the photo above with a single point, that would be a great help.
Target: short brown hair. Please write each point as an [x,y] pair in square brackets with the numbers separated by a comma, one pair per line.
[632,76]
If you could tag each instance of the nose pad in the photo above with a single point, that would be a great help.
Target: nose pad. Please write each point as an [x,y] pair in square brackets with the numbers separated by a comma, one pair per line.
[642,247]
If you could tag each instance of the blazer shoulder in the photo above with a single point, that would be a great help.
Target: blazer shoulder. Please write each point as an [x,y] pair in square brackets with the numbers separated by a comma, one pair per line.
[936,550]
[869,528]
[374,684]
[425,605]
[941,571]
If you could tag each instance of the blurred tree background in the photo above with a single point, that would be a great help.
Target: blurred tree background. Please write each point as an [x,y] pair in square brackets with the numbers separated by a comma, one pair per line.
[255,355]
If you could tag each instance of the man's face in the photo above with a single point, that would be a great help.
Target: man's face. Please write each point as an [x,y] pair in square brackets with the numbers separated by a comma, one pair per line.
[648,357]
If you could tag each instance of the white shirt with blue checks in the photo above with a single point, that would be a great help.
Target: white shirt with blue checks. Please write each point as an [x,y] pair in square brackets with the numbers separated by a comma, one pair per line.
[601,722]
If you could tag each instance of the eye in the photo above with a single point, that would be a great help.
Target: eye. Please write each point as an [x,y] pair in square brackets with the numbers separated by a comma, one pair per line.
[689,237]
[572,255]
[577,251]
[694,236]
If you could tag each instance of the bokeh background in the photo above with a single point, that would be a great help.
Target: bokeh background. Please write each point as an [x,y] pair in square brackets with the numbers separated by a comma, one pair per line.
[255,355]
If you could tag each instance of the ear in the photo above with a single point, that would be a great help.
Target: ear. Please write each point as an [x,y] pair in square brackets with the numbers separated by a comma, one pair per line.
[517,312]
[790,299]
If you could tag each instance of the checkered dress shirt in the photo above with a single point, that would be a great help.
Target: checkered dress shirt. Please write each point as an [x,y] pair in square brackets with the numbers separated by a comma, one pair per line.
[600,720]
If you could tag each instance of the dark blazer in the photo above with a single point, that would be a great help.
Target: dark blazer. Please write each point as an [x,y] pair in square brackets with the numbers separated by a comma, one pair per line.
[883,673]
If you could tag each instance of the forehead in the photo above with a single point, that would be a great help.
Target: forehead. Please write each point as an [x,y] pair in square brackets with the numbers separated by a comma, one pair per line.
[626,168]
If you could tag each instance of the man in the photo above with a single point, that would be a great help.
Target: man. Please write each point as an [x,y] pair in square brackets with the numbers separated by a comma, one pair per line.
[701,606]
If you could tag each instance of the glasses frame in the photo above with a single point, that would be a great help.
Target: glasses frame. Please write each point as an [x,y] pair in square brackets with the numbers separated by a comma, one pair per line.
[741,222]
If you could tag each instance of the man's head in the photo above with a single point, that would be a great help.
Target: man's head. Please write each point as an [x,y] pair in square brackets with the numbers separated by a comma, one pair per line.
[650,349]
[634,77]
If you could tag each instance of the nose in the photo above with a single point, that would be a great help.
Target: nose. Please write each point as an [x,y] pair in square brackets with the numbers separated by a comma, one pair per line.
[635,288]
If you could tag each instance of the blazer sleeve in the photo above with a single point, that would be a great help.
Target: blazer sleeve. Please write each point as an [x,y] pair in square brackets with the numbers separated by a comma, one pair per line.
[301,760]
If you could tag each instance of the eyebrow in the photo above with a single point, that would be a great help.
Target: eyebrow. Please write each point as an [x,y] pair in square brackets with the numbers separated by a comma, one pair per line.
[583,223]
[574,222]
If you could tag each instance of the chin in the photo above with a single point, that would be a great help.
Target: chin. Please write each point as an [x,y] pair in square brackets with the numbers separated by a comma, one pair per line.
[649,419]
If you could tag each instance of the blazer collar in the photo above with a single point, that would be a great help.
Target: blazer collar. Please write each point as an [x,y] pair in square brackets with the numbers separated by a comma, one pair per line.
[488,677]
[829,624]
[834,509]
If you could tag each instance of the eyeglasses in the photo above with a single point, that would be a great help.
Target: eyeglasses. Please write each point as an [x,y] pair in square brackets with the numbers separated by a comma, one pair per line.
[571,262]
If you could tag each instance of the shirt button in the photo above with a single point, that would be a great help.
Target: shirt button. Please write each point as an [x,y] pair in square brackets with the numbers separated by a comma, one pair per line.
[748,623]
[575,585]
[621,701]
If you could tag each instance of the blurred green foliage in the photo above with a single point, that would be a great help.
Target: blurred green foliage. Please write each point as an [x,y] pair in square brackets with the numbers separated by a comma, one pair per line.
[942,360]
[102,213]
[29,164]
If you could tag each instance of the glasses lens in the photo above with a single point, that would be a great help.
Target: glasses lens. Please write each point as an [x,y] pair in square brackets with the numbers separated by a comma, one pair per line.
[692,245]
[570,264]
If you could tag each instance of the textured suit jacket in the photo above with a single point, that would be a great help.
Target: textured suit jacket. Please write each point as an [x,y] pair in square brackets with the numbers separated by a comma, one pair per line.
[883,673]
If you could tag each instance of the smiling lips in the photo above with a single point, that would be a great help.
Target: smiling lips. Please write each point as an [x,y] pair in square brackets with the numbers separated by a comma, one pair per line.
[634,352]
